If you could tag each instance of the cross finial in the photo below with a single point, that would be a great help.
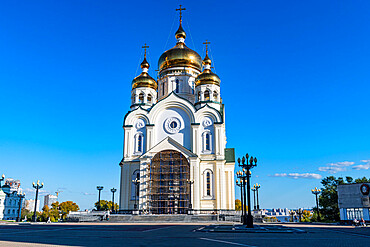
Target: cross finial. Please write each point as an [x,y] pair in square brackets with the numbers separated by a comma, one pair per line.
[206,43]
[180,9]
[145,46]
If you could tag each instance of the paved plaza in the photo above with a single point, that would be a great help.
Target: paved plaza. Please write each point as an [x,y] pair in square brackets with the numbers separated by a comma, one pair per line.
[145,234]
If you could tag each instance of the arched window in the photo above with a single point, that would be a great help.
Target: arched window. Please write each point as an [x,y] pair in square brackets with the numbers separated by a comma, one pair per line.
[192,87]
[215,96]
[149,98]
[177,86]
[206,95]
[133,98]
[141,98]
[207,184]
[208,181]
[163,88]
[139,143]
[198,96]
[208,142]
[135,175]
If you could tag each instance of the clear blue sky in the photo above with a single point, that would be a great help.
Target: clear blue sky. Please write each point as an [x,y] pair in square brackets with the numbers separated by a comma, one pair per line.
[295,83]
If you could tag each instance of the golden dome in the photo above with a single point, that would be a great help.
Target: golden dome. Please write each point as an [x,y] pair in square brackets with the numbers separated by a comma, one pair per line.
[180,33]
[207,76]
[144,79]
[180,55]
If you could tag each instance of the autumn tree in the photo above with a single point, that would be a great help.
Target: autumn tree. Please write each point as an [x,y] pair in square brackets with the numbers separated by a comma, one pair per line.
[238,205]
[106,205]
[66,207]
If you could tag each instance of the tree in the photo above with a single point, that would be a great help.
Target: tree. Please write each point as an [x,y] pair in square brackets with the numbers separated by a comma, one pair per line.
[306,216]
[328,199]
[25,213]
[349,180]
[238,205]
[66,207]
[362,180]
[106,205]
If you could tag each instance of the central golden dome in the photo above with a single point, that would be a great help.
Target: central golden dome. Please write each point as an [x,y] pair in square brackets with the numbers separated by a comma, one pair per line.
[180,55]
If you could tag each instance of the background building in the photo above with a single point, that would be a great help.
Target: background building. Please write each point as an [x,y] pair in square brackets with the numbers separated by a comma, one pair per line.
[50,199]
[30,205]
[10,202]
[354,201]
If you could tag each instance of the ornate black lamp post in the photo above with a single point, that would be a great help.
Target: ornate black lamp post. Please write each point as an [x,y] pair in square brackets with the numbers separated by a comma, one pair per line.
[37,186]
[247,166]
[241,184]
[2,179]
[300,212]
[21,196]
[136,181]
[256,187]
[113,190]
[99,188]
[190,182]
[292,213]
[254,197]
[316,192]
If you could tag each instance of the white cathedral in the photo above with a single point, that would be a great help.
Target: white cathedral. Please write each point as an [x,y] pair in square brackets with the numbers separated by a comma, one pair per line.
[175,159]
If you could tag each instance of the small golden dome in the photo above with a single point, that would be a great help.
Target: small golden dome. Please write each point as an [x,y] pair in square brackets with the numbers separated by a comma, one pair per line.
[180,33]
[144,80]
[207,77]
[207,60]
[144,64]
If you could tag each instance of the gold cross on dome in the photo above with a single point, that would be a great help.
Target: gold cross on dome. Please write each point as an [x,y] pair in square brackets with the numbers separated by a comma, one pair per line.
[180,9]
[145,46]
[206,43]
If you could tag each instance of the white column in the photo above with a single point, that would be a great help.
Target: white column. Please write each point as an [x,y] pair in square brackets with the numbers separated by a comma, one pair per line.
[195,139]
[194,173]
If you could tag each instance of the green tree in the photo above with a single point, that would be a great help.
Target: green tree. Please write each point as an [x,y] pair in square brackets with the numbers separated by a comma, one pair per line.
[328,199]
[106,205]
[238,205]
[25,213]
[362,180]
[349,180]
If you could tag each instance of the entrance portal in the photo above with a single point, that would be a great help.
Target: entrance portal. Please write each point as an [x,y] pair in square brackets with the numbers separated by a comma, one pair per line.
[169,189]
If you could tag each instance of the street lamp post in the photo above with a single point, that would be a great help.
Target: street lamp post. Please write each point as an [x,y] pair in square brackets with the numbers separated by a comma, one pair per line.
[247,166]
[254,197]
[113,190]
[2,179]
[37,186]
[300,212]
[241,196]
[190,182]
[316,192]
[21,196]
[292,213]
[136,181]
[99,188]
[257,186]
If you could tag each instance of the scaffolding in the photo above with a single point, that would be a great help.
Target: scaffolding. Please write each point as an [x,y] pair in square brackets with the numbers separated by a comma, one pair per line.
[169,191]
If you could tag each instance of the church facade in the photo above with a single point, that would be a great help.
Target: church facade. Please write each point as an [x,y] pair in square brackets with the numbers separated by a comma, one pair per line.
[175,159]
